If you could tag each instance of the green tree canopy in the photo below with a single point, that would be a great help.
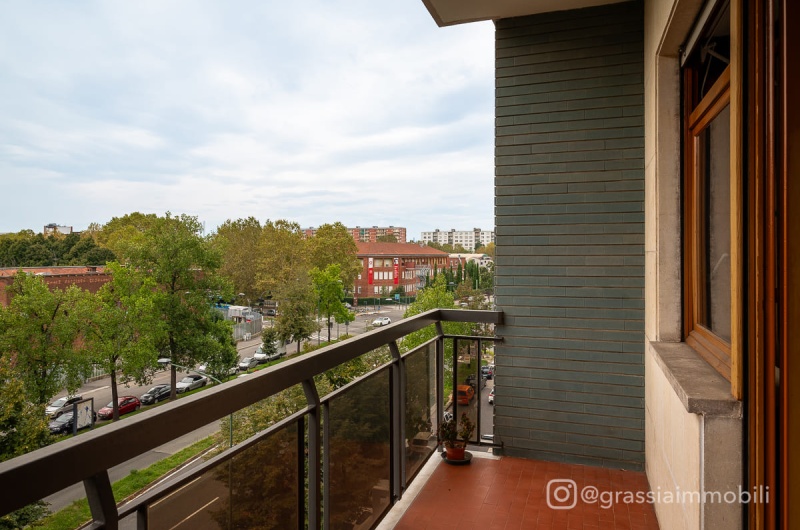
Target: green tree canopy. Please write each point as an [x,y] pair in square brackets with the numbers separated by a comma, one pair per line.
[120,234]
[297,305]
[184,269]
[334,245]
[330,294]
[122,328]
[239,242]
[40,329]
[282,257]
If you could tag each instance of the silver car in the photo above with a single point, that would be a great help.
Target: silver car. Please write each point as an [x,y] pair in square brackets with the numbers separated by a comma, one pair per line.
[247,363]
[60,406]
[190,382]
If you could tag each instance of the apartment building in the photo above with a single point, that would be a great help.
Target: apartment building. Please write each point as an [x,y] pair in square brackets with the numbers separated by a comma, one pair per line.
[466,238]
[368,234]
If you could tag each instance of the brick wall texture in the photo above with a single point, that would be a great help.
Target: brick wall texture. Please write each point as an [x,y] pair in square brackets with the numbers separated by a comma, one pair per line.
[569,191]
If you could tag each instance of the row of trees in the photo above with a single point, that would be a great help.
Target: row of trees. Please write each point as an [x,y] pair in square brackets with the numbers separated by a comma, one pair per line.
[26,249]
[159,300]
[156,304]
[306,277]
[458,248]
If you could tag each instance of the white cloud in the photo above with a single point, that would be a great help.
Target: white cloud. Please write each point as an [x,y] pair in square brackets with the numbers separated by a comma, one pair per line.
[318,111]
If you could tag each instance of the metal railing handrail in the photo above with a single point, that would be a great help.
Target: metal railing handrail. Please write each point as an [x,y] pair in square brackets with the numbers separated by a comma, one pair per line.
[89,456]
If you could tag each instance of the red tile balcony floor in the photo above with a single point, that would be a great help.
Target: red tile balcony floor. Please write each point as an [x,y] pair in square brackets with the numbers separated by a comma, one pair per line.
[512,493]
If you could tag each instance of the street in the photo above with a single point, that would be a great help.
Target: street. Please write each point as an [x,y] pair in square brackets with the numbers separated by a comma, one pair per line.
[100,391]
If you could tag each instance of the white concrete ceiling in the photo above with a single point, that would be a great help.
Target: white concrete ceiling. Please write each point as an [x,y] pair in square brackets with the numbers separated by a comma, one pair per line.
[449,12]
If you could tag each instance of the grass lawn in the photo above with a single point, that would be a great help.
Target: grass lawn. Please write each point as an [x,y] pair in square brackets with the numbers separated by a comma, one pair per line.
[78,513]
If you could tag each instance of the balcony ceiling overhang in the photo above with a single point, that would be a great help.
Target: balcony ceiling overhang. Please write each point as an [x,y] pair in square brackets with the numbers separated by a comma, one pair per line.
[450,12]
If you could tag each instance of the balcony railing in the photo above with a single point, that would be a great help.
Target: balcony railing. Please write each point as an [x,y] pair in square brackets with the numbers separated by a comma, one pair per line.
[340,462]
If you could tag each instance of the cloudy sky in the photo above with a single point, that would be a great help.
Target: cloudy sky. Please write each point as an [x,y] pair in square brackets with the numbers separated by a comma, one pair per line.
[360,111]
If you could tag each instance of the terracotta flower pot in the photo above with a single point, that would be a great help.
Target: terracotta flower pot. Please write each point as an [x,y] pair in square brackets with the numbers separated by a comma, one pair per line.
[455,453]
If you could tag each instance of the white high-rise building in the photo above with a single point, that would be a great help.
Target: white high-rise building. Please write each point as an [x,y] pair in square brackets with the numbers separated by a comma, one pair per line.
[465,238]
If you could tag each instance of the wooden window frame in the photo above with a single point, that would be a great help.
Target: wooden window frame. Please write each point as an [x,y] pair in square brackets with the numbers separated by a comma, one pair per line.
[725,357]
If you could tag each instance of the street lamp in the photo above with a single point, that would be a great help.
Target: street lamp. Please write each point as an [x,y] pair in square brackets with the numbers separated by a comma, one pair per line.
[166,362]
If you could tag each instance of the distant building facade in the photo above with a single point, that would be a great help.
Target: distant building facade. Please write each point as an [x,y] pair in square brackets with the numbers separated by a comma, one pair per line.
[87,278]
[387,266]
[53,229]
[368,234]
[466,238]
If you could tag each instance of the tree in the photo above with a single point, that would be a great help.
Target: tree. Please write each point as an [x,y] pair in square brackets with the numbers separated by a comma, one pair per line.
[333,244]
[238,243]
[330,294]
[122,328]
[218,346]
[488,250]
[282,257]
[121,233]
[436,296]
[447,247]
[387,238]
[297,302]
[24,429]
[184,269]
[40,330]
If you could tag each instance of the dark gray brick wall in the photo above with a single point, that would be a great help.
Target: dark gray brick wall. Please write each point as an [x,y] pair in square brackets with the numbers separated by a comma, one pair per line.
[569,205]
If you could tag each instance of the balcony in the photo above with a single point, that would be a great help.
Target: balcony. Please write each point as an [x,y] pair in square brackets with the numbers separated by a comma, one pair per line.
[345,460]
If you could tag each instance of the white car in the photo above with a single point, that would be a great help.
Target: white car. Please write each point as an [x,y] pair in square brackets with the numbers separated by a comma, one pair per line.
[190,382]
[261,356]
[382,321]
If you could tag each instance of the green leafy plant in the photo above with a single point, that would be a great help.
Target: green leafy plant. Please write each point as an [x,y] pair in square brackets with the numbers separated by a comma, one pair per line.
[453,433]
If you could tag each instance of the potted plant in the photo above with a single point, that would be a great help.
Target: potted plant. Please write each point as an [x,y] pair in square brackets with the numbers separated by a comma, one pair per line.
[455,435]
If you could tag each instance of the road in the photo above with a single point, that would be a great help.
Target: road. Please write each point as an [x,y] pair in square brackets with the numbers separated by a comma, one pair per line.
[100,391]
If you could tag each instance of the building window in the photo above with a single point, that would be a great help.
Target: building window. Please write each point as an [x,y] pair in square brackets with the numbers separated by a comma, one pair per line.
[710,208]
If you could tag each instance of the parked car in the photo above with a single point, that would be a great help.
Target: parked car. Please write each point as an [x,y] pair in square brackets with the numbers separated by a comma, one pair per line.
[156,394]
[382,321]
[233,370]
[271,313]
[491,397]
[470,380]
[465,394]
[64,423]
[190,382]
[60,406]
[262,357]
[126,404]
[488,370]
[247,363]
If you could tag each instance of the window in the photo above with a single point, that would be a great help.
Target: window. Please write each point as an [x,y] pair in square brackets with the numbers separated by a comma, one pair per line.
[711,206]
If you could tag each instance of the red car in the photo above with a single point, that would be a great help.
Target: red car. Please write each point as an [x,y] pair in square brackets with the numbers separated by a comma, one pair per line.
[126,404]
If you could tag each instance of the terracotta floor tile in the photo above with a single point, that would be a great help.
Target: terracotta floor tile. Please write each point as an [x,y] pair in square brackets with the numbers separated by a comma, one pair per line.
[512,494]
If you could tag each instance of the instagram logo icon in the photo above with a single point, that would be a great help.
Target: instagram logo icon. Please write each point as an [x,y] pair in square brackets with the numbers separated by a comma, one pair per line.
[562,494]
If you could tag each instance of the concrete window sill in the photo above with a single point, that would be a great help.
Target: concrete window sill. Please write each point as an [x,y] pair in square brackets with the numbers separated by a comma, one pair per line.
[701,389]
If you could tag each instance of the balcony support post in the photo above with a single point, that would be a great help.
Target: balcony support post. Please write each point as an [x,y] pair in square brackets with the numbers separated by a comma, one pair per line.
[312,396]
[101,501]
[397,422]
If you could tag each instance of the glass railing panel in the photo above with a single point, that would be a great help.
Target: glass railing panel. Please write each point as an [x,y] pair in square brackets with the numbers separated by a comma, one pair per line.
[257,488]
[420,408]
[359,452]
[469,384]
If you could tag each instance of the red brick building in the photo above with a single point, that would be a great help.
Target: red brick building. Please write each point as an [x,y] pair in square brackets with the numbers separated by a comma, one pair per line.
[387,266]
[88,278]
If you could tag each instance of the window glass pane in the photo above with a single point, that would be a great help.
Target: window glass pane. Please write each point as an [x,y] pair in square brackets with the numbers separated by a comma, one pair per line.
[715,215]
